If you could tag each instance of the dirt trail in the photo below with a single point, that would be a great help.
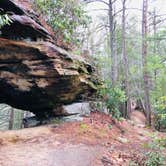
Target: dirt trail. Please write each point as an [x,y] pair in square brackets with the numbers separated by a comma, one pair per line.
[37,155]
[138,118]
[96,141]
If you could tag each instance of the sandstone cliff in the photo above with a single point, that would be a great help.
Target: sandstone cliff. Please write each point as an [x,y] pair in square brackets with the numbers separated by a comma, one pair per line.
[36,73]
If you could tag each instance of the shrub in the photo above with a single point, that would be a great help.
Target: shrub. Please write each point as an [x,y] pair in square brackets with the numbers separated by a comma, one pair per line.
[154,159]
[112,97]
[160,113]
[161,141]
[155,156]
[64,16]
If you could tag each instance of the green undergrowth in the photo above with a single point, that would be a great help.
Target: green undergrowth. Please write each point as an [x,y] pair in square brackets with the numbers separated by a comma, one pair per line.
[155,156]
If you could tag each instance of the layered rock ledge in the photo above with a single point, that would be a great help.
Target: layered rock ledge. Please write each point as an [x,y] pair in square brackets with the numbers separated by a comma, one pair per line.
[36,74]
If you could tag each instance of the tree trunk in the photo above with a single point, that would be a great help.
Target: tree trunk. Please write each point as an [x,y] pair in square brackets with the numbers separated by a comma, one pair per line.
[125,59]
[154,47]
[144,60]
[112,43]
[11,120]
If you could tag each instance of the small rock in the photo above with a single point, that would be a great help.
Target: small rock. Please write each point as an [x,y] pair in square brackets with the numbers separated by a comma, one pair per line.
[142,138]
[141,125]
[131,122]
[72,118]
[122,140]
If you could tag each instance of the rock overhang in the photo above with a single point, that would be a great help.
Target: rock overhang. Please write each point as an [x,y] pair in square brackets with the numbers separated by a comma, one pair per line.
[38,75]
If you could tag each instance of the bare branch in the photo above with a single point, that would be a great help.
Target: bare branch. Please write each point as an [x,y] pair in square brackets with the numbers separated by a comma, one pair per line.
[99,10]
[102,1]
[158,22]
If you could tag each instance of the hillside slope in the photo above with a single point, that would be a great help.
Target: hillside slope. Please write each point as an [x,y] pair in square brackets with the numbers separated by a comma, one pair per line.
[97,140]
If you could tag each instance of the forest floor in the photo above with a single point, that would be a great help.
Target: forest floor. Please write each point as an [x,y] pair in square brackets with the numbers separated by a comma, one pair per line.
[96,141]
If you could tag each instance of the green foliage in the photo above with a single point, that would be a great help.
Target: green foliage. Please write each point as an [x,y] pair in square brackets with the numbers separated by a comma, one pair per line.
[161,141]
[4,20]
[160,113]
[112,96]
[154,159]
[83,126]
[64,16]
[132,163]
[154,63]
[154,156]
[161,104]
[110,126]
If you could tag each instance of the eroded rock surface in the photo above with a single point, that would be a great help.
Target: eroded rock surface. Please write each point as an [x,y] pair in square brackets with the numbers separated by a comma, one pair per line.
[36,74]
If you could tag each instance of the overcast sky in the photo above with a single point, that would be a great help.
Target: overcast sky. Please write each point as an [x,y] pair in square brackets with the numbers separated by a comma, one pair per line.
[160,6]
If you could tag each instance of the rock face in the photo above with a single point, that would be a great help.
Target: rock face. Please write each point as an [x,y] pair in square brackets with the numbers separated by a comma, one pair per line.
[81,109]
[36,74]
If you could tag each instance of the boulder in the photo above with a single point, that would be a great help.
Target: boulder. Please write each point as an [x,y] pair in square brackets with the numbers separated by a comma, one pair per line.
[80,109]
[36,73]
[30,122]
